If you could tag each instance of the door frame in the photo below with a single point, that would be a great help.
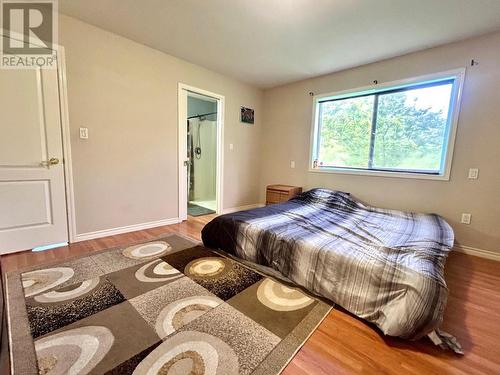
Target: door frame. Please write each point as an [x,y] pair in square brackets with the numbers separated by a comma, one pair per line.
[66,143]
[65,133]
[183,90]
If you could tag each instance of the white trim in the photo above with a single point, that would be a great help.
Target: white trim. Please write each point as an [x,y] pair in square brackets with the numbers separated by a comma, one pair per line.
[242,208]
[125,229]
[482,253]
[374,173]
[182,152]
[181,142]
[458,74]
[66,141]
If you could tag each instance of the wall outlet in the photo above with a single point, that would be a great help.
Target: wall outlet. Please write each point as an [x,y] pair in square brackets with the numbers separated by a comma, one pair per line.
[292,164]
[473,173]
[84,133]
[466,218]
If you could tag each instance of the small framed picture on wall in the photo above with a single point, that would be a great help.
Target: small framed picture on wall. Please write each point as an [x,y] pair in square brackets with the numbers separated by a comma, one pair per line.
[247,115]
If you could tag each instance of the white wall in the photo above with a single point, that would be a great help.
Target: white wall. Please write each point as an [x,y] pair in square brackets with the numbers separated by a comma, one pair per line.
[126,94]
[288,119]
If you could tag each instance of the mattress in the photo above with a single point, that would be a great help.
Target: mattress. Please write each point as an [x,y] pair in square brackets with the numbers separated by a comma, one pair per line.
[385,266]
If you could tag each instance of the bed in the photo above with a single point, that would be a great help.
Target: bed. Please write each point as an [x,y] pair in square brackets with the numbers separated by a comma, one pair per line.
[384,266]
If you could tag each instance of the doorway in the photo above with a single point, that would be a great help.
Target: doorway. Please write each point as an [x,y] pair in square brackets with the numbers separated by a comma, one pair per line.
[200,139]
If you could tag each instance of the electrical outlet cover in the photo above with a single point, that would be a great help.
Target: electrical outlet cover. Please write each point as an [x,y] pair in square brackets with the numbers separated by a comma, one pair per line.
[473,173]
[84,133]
[466,218]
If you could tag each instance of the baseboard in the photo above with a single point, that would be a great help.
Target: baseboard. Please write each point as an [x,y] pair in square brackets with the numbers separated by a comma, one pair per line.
[242,208]
[152,224]
[488,254]
[128,228]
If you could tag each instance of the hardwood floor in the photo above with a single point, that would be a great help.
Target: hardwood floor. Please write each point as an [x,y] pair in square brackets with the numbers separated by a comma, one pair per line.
[343,344]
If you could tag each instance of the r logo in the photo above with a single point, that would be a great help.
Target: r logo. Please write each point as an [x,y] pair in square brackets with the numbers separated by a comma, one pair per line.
[30,21]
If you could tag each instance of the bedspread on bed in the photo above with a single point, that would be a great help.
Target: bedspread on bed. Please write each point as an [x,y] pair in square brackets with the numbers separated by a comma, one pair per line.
[382,265]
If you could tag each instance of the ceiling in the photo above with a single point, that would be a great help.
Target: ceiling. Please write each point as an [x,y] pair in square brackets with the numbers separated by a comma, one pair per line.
[271,42]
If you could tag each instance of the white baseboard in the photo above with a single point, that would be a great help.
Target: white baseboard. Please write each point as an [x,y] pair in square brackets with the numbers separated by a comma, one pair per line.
[128,228]
[151,224]
[242,208]
[488,254]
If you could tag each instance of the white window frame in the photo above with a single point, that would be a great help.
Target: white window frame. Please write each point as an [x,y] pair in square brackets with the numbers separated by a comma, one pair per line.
[457,74]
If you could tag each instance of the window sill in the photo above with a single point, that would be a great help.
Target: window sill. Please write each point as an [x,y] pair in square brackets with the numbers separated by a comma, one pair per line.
[418,176]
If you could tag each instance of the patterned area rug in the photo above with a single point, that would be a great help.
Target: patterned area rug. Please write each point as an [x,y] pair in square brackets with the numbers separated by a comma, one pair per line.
[168,306]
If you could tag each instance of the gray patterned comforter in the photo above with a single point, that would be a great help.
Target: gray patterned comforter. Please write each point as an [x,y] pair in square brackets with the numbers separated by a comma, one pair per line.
[382,265]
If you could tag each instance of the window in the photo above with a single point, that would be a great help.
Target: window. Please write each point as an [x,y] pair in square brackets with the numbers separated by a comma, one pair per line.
[397,130]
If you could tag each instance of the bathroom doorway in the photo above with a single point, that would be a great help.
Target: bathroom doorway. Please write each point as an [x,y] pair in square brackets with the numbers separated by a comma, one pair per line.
[200,136]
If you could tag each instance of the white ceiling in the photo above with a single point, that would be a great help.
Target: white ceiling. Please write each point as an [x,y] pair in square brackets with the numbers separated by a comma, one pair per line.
[271,42]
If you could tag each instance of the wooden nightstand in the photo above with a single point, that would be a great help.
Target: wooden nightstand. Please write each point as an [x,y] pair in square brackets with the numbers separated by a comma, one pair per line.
[281,193]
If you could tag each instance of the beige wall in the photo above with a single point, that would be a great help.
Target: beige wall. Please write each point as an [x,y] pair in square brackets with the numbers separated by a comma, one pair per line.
[126,172]
[126,94]
[287,124]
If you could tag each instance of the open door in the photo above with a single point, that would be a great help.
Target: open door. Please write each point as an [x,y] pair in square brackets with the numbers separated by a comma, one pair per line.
[208,125]
[32,188]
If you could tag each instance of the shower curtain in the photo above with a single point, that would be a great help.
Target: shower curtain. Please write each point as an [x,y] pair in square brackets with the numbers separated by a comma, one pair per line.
[203,167]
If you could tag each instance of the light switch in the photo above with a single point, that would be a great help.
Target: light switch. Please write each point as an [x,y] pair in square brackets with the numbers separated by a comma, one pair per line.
[292,164]
[466,218]
[231,147]
[84,133]
[473,173]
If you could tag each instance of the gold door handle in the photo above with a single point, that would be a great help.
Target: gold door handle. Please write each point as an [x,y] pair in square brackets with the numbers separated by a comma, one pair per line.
[48,163]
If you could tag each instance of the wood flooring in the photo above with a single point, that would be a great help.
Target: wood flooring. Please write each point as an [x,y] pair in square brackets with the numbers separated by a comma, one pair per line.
[343,344]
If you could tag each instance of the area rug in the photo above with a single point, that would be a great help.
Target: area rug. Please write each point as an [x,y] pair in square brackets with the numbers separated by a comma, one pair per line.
[168,306]
[195,210]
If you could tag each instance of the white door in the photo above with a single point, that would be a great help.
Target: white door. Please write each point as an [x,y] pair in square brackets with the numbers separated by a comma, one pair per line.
[32,191]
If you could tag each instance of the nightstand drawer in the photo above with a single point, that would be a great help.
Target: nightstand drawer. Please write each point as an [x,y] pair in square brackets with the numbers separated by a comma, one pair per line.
[273,196]
[284,197]
[281,193]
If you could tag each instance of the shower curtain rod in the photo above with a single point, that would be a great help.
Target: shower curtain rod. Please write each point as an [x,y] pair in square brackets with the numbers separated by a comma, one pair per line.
[204,114]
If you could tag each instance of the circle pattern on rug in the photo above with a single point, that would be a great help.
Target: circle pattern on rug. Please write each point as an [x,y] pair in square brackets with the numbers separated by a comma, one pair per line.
[179,313]
[190,352]
[206,267]
[39,281]
[76,351]
[156,271]
[147,250]
[58,296]
[279,297]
